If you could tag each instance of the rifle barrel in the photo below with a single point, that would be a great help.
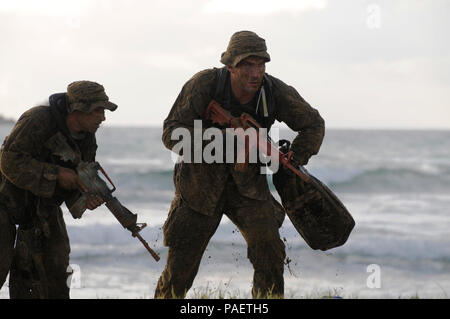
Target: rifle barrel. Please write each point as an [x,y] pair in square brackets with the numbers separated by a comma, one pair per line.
[151,251]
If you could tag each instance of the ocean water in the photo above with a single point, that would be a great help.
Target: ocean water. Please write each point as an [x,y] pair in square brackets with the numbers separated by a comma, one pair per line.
[396,184]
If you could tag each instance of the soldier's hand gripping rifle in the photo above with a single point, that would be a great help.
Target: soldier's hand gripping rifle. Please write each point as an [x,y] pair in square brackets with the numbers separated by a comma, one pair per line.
[217,114]
[317,214]
[96,186]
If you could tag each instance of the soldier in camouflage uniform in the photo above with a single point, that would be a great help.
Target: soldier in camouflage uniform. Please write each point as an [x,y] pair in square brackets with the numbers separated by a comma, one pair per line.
[204,192]
[34,183]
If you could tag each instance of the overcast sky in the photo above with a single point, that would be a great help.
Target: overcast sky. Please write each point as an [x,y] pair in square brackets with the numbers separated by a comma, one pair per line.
[362,64]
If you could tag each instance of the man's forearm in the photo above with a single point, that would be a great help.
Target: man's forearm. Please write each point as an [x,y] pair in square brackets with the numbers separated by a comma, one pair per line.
[308,141]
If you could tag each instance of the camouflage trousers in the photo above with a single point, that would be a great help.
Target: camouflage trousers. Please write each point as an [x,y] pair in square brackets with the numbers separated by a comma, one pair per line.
[40,261]
[7,238]
[187,233]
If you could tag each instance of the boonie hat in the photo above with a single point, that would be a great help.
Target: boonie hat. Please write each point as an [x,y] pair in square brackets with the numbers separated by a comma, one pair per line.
[242,45]
[86,96]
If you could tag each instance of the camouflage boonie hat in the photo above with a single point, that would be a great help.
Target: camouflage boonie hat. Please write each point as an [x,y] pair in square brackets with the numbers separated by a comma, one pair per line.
[86,96]
[242,45]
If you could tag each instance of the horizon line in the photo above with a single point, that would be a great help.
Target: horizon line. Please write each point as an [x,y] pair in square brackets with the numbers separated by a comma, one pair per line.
[115,125]
[9,121]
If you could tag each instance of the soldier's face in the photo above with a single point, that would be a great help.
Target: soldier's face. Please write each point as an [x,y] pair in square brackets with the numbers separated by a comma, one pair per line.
[248,74]
[91,122]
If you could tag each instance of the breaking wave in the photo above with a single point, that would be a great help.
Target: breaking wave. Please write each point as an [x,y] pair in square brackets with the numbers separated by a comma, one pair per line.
[393,180]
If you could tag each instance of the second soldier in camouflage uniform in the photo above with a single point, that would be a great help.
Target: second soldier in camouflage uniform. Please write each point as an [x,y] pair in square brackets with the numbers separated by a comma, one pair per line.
[204,192]
[34,183]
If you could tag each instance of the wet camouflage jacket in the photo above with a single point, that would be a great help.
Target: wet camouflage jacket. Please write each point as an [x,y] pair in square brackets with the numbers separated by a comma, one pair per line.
[200,185]
[28,171]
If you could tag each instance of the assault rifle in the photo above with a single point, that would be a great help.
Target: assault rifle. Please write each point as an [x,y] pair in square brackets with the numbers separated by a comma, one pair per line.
[218,115]
[314,210]
[96,186]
